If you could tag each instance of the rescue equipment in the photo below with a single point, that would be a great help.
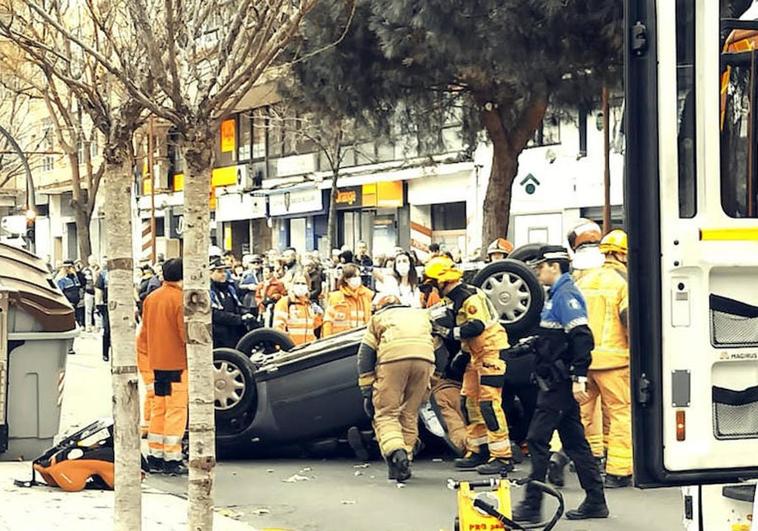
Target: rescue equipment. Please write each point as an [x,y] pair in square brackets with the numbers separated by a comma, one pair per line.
[82,460]
[491,509]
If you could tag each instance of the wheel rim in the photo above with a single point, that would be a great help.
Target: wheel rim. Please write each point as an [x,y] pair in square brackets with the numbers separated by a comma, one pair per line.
[229,385]
[510,296]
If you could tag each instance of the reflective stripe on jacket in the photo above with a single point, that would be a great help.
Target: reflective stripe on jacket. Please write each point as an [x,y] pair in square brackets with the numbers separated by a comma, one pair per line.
[347,309]
[299,318]
[476,306]
[606,292]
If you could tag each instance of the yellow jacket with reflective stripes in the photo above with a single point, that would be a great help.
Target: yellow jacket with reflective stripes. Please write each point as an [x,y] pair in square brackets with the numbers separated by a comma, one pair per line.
[607,293]
[494,338]
[400,333]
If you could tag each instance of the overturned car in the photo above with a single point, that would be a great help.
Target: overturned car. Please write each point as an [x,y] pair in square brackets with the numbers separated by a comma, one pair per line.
[270,395]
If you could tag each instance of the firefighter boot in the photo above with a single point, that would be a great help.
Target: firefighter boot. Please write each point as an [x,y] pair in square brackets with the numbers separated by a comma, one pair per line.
[591,507]
[496,466]
[556,469]
[471,460]
[155,464]
[399,466]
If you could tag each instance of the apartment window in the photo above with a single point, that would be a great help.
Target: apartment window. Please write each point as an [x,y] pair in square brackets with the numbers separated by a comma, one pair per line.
[449,216]
[259,134]
[244,149]
[94,148]
[275,136]
[48,145]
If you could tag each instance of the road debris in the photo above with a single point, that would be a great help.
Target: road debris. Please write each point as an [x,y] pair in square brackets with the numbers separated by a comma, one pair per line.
[260,512]
[348,502]
[364,465]
[295,478]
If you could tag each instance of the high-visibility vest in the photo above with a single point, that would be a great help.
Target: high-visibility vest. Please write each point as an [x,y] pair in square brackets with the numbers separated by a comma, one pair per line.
[347,309]
[299,318]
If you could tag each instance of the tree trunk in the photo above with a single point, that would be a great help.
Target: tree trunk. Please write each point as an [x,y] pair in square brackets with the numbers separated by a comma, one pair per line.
[197,316]
[497,200]
[331,223]
[127,514]
[81,209]
[507,145]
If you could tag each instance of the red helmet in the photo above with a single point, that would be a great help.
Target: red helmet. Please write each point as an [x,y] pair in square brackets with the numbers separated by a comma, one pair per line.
[584,232]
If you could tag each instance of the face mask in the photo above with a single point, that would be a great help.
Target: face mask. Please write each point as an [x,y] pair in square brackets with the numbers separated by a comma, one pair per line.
[300,290]
[354,282]
[403,269]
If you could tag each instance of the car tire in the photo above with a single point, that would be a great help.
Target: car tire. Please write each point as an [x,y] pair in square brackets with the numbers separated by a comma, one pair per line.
[519,300]
[526,253]
[234,389]
[264,341]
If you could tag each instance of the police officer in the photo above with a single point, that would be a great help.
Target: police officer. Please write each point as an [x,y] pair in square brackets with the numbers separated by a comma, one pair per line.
[563,358]
[477,326]
[228,318]
[396,360]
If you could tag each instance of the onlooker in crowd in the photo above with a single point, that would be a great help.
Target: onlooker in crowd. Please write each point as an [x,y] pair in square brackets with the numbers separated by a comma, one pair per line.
[69,283]
[362,257]
[402,280]
[269,290]
[315,275]
[228,318]
[163,338]
[250,279]
[146,274]
[350,306]
[295,314]
[90,275]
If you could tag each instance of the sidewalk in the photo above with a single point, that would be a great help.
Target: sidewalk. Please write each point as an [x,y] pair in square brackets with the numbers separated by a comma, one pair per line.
[44,508]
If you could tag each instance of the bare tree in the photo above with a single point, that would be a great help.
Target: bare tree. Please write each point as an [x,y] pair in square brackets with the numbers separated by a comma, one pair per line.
[202,57]
[47,48]
[15,104]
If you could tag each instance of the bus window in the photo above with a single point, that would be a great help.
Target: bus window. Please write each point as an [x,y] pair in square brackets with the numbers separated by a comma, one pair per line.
[685,81]
[739,90]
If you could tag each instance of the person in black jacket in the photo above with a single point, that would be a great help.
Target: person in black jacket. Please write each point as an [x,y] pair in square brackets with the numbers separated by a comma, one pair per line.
[563,356]
[229,321]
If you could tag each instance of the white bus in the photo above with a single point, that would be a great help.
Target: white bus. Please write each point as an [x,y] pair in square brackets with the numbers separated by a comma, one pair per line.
[691,192]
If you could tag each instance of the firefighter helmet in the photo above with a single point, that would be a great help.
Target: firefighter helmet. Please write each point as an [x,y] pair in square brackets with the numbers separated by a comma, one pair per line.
[501,245]
[614,242]
[441,269]
[387,299]
[584,232]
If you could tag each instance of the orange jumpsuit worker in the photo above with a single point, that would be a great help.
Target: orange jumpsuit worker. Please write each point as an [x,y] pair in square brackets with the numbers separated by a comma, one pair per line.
[296,315]
[606,291]
[143,364]
[163,337]
[476,324]
[350,306]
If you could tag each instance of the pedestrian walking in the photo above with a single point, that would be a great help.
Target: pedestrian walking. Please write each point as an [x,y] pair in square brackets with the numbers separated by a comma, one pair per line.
[162,336]
[90,276]
[563,359]
[69,283]
[476,324]
[396,360]
[350,306]
[101,306]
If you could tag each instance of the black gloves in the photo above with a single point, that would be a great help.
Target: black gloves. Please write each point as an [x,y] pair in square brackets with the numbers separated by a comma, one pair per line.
[460,362]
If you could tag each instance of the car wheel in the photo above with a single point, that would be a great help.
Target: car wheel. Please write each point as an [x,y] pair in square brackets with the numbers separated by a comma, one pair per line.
[264,341]
[526,253]
[234,391]
[515,293]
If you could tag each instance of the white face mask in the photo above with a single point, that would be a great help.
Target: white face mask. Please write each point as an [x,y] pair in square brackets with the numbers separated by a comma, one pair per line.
[354,282]
[403,268]
[300,290]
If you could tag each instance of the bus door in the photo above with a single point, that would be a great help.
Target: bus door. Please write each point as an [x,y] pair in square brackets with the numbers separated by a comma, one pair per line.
[691,190]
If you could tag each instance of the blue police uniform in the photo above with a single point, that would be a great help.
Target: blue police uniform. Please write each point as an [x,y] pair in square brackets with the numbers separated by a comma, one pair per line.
[565,352]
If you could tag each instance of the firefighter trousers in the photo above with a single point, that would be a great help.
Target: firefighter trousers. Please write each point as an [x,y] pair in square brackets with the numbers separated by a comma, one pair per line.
[446,401]
[611,386]
[168,420]
[399,391]
[482,394]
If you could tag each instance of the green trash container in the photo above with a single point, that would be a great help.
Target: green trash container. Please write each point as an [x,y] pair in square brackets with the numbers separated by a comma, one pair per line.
[37,330]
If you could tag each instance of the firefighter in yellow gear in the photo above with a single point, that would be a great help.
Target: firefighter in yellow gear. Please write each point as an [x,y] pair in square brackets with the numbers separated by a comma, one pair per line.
[476,324]
[606,291]
[296,315]
[396,360]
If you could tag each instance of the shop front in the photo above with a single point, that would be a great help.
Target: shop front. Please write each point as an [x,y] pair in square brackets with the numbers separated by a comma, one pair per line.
[298,215]
[239,216]
[374,213]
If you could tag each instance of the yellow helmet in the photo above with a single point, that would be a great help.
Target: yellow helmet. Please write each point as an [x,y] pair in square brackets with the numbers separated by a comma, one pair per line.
[614,242]
[441,269]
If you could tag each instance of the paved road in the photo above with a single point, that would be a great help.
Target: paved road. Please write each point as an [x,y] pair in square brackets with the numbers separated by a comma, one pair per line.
[341,494]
